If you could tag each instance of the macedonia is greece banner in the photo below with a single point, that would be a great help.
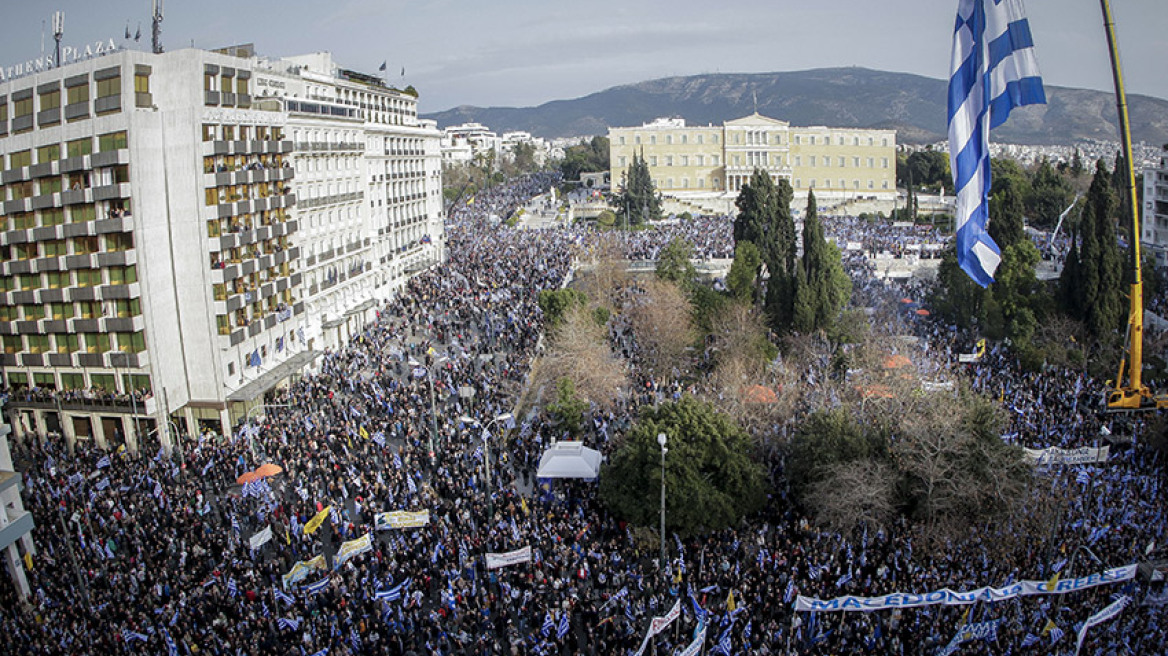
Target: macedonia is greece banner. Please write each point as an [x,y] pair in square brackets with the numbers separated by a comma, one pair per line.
[301,570]
[1111,611]
[950,598]
[1084,455]
[659,624]
[401,519]
[353,548]
[987,630]
[497,560]
[695,647]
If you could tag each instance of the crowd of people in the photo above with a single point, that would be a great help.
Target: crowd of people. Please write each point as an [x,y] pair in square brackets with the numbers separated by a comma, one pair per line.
[151,552]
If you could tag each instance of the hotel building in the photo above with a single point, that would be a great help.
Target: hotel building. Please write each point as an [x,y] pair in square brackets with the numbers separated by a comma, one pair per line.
[715,161]
[197,227]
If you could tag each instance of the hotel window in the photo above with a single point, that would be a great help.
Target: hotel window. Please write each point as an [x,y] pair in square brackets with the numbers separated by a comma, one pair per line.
[826,162]
[208,132]
[51,99]
[843,184]
[871,184]
[669,160]
[96,343]
[842,162]
[19,159]
[89,309]
[79,147]
[8,313]
[871,141]
[78,94]
[884,162]
[652,160]
[12,344]
[713,138]
[84,245]
[224,324]
[111,141]
[700,160]
[73,381]
[811,185]
[701,139]
[871,163]
[884,142]
[22,108]
[58,279]
[652,140]
[798,183]
[856,162]
[88,277]
[26,251]
[38,343]
[637,139]
[884,185]
[61,311]
[685,183]
[49,153]
[623,161]
[684,139]
[34,312]
[713,160]
[798,160]
[141,83]
[28,282]
[131,342]
[123,275]
[46,186]
[669,139]
[208,82]
[109,87]
[66,344]
[82,213]
[241,85]
[621,140]
[55,248]
[685,160]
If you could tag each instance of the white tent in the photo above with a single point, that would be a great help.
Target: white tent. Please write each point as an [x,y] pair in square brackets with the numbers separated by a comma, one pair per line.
[569,460]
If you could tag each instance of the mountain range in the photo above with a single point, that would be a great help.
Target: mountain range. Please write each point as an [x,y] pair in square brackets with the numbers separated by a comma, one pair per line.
[913,105]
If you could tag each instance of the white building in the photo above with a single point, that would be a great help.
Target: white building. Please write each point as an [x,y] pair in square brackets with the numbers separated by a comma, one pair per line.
[461,144]
[151,238]
[1154,217]
[16,523]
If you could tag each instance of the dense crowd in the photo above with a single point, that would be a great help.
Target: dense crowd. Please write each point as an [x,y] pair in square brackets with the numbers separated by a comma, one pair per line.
[150,552]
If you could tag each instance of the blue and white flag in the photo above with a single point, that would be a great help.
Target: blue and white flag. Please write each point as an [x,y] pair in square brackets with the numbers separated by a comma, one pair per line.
[564,626]
[102,484]
[289,623]
[207,467]
[992,70]
[316,588]
[284,596]
[379,439]
[548,624]
[171,647]
[232,589]
[104,462]
[129,635]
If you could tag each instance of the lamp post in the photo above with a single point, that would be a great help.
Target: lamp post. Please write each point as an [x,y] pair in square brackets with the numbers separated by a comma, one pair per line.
[433,407]
[486,443]
[661,440]
[248,418]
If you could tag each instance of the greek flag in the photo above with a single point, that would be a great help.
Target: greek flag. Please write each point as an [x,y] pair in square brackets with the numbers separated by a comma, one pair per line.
[128,635]
[103,484]
[171,647]
[104,462]
[548,624]
[723,646]
[316,588]
[207,467]
[993,70]
[232,589]
[284,597]
[564,627]
[392,594]
[379,438]
[397,461]
[1030,639]
[289,623]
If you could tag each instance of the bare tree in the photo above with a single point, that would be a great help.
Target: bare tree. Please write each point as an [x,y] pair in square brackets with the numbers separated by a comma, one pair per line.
[852,493]
[580,352]
[662,325]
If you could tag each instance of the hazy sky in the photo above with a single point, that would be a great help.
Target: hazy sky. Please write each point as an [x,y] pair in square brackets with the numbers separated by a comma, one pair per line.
[526,52]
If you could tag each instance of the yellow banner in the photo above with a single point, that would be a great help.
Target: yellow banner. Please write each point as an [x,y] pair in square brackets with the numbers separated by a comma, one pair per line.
[316,520]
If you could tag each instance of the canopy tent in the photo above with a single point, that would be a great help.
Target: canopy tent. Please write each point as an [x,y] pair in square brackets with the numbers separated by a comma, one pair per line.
[569,460]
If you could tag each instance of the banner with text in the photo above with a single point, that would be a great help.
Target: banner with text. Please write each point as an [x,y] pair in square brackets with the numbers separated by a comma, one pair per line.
[301,570]
[1084,455]
[950,598]
[353,548]
[659,624]
[401,519]
[1102,616]
[497,560]
[260,539]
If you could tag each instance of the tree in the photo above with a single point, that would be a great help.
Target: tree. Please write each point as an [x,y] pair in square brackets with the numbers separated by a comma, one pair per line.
[1050,193]
[1006,226]
[674,263]
[555,303]
[639,202]
[853,493]
[567,411]
[587,157]
[827,438]
[764,219]
[712,479]
[924,168]
[1077,164]
[662,323]
[579,352]
[1097,296]
[822,287]
[1016,293]
[744,270]
[606,219]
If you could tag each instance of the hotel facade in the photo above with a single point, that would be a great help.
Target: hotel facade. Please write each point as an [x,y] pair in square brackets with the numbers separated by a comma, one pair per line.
[714,161]
[181,232]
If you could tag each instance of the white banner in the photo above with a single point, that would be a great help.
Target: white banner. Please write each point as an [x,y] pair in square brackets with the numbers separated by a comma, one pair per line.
[1084,455]
[497,560]
[950,598]
[401,519]
[1098,618]
[659,624]
[260,539]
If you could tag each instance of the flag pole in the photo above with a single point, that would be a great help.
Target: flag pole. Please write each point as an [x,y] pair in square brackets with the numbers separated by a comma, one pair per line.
[1136,294]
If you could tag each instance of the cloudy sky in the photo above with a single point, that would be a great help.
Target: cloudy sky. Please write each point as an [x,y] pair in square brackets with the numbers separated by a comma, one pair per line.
[526,52]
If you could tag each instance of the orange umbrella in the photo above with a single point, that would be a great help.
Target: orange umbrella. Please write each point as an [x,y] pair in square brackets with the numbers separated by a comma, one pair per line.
[906,300]
[923,312]
[248,477]
[269,469]
[760,394]
[896,362]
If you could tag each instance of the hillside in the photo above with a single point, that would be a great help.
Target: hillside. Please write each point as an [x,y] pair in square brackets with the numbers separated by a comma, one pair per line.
[838,97]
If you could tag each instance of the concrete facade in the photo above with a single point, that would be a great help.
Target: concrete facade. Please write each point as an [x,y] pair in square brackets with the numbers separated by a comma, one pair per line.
[1154,213]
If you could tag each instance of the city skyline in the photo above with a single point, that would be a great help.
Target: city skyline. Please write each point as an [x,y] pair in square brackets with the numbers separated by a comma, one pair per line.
[523,53]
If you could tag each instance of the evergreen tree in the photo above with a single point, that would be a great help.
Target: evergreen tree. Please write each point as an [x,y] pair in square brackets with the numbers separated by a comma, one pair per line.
[1006,223]
[744,271]
[640,201]
[1099,293]
[764,218]
[1077,164]
[1071,280]
[821,285]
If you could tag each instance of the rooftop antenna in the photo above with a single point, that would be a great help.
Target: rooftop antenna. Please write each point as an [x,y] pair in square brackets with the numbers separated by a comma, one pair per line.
[58,32]
[156,39]
[755,95]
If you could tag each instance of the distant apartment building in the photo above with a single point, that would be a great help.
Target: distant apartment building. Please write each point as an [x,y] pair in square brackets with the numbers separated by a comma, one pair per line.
[196,227]
[16,523]
[462,144]
[713,160]
[1154,214]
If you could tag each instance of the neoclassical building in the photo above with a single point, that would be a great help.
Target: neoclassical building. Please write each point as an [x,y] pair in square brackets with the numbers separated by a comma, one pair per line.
[713,161]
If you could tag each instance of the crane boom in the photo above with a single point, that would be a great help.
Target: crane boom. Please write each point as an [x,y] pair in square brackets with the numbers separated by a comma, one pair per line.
[1133,395]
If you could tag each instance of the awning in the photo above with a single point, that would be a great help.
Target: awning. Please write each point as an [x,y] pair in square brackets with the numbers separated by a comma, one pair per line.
[269,379]
[569,460]
[362,307]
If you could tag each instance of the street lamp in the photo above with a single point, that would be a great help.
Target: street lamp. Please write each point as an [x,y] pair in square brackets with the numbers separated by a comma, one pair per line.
[433,407]
[486,443]
[661,439]
[248,418]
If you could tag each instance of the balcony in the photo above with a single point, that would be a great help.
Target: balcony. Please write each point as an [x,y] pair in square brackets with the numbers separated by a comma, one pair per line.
[16,525]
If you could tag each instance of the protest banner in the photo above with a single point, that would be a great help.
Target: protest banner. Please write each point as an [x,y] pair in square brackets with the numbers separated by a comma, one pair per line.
[401,519]
[659,624]
[950,598]
[1084,455]
[497,560]
[353,548]
[260,539]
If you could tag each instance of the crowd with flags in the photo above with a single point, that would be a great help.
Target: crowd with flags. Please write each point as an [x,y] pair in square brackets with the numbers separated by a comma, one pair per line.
[142,554]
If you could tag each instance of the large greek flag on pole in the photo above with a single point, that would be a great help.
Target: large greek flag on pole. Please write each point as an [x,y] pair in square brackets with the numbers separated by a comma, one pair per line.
[992,71]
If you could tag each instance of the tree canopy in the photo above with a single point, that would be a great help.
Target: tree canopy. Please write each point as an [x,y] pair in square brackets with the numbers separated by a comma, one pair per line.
[711,477]
[589,157]
[639,201]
